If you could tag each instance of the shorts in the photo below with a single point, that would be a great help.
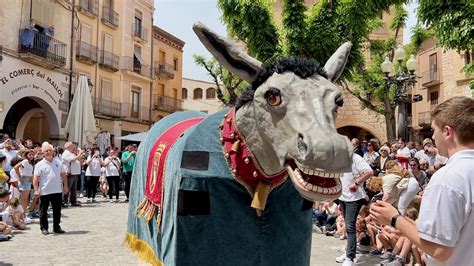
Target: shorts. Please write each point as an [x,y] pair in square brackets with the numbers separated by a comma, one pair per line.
[26,183]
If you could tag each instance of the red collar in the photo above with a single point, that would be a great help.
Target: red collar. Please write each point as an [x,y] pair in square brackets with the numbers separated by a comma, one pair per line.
[242,163]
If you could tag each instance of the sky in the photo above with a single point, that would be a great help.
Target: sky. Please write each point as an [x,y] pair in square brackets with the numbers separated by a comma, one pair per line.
[178,16]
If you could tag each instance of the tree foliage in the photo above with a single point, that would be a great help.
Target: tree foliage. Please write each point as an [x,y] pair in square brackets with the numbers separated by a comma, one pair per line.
[228,85]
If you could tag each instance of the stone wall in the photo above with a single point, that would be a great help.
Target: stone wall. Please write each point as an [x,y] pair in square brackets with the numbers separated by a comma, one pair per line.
[351,114]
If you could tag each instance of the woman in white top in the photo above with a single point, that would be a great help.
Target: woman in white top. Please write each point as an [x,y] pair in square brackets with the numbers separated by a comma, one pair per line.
[112,173]
[24,170]
[94,163]
[407,196]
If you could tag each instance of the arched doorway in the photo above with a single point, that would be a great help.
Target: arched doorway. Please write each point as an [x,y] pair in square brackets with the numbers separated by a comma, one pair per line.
[31,118]
[355,132]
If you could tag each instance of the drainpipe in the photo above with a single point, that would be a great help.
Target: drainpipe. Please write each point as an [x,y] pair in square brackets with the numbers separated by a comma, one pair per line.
[71,54]
[152,70]
[31,11]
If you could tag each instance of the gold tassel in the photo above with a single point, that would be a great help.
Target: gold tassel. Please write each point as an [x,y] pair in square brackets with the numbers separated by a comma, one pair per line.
[236,146]
[143,250]
[141,209]
[260,197]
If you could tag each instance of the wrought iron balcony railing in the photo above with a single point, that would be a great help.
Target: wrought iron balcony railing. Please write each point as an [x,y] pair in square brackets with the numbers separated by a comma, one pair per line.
[429,78]
[166,103]
[109,17]
[89,7]
[134,65]
[39,44]
[131,111]
[164,70]
[106,107]
[424,119]
[109,60]
[86,53]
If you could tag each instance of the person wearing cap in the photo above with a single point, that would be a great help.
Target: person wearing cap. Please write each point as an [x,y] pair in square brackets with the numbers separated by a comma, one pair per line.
[445,226]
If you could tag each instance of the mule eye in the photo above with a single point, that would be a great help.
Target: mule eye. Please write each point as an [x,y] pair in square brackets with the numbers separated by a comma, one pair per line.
[273,97]
[339,101]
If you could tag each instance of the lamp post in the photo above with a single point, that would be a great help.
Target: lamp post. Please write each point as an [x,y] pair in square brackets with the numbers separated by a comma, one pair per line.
[401,80]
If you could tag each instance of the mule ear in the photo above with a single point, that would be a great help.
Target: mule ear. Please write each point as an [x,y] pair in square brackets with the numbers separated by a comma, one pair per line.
[228,53]
[336,64]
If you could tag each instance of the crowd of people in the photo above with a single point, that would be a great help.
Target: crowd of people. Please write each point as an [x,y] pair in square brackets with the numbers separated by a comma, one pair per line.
[395,172]
[35,176]
[409,202]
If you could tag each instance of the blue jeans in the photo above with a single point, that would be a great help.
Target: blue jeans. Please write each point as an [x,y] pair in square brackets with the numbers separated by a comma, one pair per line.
[324,219]
[350,210]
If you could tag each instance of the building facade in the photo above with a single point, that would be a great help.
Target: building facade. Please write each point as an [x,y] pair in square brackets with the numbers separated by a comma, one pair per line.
[168,72]
[112,42]
[441,77]
[201,96]
[35,66]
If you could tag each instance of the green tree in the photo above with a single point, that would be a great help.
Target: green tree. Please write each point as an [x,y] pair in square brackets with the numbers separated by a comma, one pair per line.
[228,85]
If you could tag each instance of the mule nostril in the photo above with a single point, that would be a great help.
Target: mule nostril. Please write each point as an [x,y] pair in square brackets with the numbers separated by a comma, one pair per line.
[302,148]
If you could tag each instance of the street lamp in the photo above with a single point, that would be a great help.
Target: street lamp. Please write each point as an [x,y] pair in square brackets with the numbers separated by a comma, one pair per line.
[402,80]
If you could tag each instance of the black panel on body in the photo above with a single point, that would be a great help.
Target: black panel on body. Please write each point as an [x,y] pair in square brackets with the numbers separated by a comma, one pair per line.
[193,202]
[195,160]
[306,205]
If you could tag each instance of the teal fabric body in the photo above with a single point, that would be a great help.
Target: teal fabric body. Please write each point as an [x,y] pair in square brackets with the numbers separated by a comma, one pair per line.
[232,234]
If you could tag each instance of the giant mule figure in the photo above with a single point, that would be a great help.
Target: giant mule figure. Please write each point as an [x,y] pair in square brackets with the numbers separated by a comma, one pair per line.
[214,189]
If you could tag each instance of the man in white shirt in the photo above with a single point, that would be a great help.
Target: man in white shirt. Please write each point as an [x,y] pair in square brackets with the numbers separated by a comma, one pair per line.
[72,166]
[10,153]
[351,200]
[49,182]
[445,226]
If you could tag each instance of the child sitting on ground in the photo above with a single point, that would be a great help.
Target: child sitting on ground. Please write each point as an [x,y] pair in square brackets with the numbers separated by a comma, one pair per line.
[14,215]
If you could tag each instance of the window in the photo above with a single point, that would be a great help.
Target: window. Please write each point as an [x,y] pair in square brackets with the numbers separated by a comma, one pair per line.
[137,30]
[197,94]
[175,64]
[468,57]
[86,33]
[161,89]
[135,108]
[433,63]
[434,95]
[137,59]
[108,43]
[210,93]
[184,93]
[106,89]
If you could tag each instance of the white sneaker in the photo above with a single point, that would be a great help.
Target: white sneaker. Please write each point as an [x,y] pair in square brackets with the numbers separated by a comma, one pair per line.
[341,258]
[316,229]
[89,200]
[348,262]
[80,195]
[111,200]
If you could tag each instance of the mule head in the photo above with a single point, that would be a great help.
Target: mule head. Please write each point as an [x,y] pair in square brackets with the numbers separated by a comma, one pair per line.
[288,119]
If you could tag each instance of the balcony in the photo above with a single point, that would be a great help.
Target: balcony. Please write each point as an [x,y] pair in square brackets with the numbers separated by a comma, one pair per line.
[86,53]
[139,32]
[424,119]
[89,7]
[109,17]
[130,111]
[429,78]
[40,49]
[106,107]
[166,104]
[134,65]
[109,61]
[164,70]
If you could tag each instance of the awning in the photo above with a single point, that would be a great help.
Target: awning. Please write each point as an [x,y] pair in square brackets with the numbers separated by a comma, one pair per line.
[133,137]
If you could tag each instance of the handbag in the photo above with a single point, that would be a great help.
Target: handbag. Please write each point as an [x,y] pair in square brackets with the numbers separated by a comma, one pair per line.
[118,169]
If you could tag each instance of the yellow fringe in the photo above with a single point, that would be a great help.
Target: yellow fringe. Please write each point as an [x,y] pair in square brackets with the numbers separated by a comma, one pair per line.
[143,250]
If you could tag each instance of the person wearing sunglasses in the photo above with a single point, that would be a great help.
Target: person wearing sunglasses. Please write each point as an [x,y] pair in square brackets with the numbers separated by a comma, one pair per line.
[445,226]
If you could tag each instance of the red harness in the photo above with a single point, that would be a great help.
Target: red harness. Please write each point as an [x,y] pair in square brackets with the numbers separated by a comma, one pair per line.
[242,163]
